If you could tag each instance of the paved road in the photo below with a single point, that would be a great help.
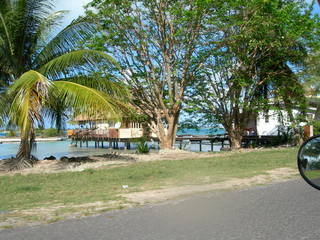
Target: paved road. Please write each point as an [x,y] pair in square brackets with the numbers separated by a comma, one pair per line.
[283,211]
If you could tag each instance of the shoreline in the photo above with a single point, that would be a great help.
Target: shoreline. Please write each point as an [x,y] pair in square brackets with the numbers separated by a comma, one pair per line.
[112,159]
[59,148]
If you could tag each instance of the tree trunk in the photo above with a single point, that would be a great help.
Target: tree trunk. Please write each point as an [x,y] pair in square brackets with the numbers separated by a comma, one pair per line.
[166,142]
[317,114]
[24,158]
[167,132]
[235,142]
[235,137]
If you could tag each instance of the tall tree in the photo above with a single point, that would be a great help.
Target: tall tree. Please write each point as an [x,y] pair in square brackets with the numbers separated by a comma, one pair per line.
[158,45]
[260,46]
[44,72]
[311,83]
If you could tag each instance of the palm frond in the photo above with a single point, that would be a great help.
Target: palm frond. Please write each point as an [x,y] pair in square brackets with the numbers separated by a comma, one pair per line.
[67,80]
[57,112]
[86,100]
[68,39]
[68,64]
[4,110]
[30,14]
[30,91]
[5,6]
[7,38]
[103,84]
[5,80]
[46,29]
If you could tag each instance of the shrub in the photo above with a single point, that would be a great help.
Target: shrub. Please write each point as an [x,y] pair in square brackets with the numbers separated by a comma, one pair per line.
[12,133]
[316,127]
[143,147]
[50,132]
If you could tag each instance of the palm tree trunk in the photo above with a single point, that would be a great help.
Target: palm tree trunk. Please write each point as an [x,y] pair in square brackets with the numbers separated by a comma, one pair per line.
[24,158]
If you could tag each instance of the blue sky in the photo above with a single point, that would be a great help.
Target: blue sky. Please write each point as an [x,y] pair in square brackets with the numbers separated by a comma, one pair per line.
[74,6]
[316,8]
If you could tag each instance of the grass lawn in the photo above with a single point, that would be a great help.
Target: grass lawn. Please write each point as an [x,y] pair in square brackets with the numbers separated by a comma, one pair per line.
[312,174]
[40,190]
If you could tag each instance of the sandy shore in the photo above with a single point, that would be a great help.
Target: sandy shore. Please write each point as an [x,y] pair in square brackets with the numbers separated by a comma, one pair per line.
[110,159]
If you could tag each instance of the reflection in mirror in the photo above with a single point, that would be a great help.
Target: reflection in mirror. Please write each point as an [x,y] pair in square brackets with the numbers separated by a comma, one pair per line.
[309,161]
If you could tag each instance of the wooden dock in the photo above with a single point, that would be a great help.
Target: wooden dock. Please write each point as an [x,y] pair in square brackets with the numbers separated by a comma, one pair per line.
[223,139]
[106,140]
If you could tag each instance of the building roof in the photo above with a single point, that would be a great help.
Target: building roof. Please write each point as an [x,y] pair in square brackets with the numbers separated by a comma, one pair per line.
[93,118]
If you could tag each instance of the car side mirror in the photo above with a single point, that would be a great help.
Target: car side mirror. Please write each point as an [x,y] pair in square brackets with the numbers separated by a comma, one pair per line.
[309,161]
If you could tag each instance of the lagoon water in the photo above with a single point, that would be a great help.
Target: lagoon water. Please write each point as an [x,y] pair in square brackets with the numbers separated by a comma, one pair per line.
[46,149]
[63,148]
[201,131]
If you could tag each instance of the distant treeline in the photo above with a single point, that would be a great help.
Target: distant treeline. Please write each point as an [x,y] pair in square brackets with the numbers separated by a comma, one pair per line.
[49,132]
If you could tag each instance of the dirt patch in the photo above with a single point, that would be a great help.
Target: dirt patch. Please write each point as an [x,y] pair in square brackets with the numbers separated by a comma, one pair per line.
[181,154]
[40,215]
[74,164]
[110,159]
[159,195]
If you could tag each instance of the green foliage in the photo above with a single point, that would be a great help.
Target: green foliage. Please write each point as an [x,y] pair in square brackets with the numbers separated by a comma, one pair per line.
[316,127]
[291,135]
[11,133]
[311,78]
[158,45]
[314,165]
[48,75]
[257,45]
[142,147]
[50,132]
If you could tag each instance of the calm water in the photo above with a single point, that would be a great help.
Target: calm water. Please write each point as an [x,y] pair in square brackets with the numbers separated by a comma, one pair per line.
[57,149]
[201,131]
[63,148]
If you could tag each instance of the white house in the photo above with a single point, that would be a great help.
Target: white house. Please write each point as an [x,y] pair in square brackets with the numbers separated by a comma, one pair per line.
[268,124]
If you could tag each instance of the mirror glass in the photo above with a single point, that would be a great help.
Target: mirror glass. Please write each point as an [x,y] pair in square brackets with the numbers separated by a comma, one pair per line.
[309,161]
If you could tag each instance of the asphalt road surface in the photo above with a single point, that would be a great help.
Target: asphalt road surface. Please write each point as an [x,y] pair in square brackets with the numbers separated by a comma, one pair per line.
[281,211]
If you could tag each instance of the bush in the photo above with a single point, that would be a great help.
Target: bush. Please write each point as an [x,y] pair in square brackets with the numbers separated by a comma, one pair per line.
[316,127]
[314,165]
[50,132]
[12,133]
[143,147]
[291,135]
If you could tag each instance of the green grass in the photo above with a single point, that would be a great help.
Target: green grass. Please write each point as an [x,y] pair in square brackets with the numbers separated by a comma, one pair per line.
[40,190]
[312,174]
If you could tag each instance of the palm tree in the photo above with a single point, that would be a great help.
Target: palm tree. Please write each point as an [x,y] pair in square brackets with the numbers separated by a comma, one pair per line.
[47,74]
